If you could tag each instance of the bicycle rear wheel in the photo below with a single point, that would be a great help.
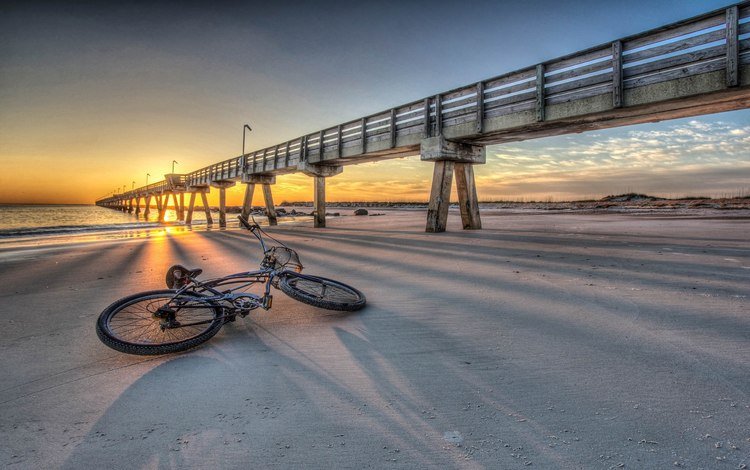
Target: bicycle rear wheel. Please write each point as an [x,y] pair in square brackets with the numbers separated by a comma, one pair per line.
[321,292]
[158,322]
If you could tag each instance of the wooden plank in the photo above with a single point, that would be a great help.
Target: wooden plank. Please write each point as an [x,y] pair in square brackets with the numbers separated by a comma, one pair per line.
[675,73]
[733,51]
[321,144]
[449,98]
[529,85]
[469,111]
[670,32]
[511,108]
[617,74]
[480,107]
[572,73]
[540,93]
[555,65]
[438,115]
[582,83]
[580,94]
[683,59]
[510,79]
[672,47]
[463,102]
[504,101]
[286,155]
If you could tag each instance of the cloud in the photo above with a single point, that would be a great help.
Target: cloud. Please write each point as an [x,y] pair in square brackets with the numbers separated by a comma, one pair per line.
[703,156]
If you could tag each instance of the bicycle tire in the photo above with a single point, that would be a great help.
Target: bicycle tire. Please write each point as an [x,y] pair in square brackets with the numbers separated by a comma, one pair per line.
[321,292]
[136,311]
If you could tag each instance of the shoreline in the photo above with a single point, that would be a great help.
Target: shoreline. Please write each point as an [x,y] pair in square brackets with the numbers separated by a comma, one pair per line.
[149,230]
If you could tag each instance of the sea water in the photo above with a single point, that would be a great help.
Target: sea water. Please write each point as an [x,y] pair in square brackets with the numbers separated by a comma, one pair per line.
[24,225]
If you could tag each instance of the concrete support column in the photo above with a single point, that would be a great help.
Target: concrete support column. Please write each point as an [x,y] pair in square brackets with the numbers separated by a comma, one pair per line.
[319,173]
[450,157]
[137,206]
[147,208]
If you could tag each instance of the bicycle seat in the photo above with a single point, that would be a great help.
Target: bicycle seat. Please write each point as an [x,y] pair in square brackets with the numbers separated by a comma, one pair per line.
[178,276]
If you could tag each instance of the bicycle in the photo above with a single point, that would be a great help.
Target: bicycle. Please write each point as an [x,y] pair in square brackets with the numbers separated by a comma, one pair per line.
[189,312]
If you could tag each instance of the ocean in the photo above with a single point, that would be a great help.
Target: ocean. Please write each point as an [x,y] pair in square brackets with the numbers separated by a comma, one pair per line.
[41,224]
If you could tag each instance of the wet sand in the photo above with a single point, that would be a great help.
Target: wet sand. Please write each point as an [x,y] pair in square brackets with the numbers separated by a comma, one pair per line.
[542,341]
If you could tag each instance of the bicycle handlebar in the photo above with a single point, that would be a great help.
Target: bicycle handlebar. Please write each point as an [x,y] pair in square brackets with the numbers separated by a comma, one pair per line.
[254,228]
[244,222]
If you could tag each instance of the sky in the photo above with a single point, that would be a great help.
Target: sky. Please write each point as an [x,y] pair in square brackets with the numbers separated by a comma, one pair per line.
[93,98]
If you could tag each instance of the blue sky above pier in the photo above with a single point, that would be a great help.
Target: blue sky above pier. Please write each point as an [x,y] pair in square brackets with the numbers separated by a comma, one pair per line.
[92,97]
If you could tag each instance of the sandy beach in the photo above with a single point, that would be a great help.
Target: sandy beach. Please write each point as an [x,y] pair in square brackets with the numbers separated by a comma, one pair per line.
[545,340]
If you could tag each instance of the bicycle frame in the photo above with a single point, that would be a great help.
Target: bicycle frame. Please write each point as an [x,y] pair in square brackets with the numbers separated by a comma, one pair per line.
[231,300]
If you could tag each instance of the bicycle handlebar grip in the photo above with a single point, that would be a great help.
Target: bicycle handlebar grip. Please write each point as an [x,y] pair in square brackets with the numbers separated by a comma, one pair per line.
[244,222]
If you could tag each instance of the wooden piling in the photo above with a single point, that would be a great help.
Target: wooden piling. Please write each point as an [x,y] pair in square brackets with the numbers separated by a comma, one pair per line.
[437,211]
[247,204]
[270,209]
[206,208]
[222,207]
[467,196]
[164,205]
[191,206]
[181,211]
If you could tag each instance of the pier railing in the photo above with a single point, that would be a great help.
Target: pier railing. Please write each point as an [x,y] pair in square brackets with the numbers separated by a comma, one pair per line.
[623,73]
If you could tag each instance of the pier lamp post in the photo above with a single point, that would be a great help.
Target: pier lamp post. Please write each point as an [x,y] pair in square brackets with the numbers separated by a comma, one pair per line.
[174,162]
[246,127]
[132,186]
[147,175]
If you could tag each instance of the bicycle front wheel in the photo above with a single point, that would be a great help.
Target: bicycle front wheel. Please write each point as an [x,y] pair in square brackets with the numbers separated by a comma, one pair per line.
[321,292]
[158,322]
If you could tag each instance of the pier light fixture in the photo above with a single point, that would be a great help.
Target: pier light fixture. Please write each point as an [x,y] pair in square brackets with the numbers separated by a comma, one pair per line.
[132,186]
[174,162]
[147,175]
[246,127]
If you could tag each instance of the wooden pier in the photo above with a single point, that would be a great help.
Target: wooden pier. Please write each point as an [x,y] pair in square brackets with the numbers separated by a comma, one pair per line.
[697,66]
